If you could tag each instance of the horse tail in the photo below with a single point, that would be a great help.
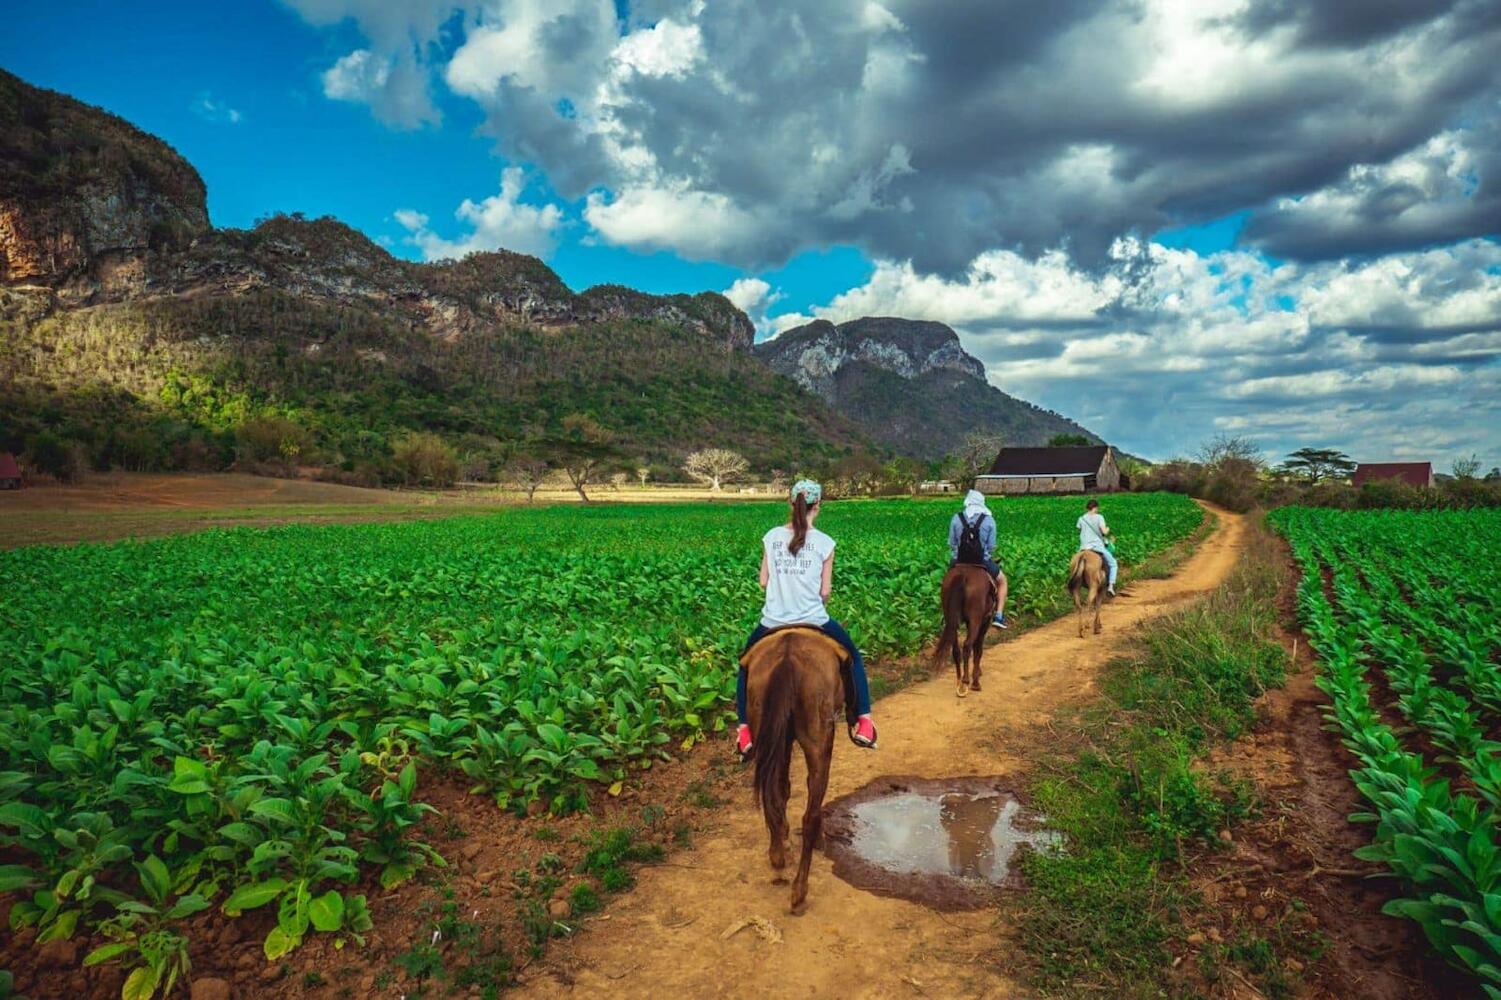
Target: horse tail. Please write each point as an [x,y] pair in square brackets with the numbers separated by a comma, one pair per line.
[1078,572]
[953,611]
[771,741]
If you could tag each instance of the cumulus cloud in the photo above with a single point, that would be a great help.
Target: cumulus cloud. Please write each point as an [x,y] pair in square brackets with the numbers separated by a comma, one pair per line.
[1448,188]
[935,132]
[1398,356]
[754,297]
[499,222]
[395,88]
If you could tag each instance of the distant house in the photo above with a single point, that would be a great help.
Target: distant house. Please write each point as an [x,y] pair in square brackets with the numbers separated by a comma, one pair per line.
[1411,473]
[1083,469]
[10,472]
[935,486]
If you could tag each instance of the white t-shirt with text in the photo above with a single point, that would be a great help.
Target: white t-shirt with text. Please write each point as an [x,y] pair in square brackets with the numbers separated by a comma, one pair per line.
[793,581]
[1092,532]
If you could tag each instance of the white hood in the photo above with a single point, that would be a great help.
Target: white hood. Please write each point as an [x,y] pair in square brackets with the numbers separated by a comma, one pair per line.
[974,504]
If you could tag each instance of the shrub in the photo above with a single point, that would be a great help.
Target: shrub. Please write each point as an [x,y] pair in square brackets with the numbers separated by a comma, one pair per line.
[1235,484]
[62,459]
[422,458]
[271,439]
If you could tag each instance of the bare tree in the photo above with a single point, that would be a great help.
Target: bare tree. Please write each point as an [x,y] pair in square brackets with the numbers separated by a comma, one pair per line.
[977,452]
[715,466]
[526,473]
[1225,446]
[1467,468]
[643,474]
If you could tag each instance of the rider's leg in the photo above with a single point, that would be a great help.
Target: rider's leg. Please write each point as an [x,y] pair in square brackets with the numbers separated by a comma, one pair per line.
[740,710]
[1111,566]
[836,631]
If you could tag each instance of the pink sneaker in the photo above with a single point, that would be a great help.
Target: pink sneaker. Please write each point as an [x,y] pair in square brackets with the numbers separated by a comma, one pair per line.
[865,733]
[743,742]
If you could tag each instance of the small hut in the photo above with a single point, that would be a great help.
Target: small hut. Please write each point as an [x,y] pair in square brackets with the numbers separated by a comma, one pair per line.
[10,472]
[1081,469]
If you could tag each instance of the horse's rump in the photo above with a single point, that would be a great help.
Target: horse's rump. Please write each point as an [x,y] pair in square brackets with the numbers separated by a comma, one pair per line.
[775,647]
[1080,568]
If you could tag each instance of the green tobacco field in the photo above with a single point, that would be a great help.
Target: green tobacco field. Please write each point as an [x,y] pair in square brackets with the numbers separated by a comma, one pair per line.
[239,718]
[1401,608]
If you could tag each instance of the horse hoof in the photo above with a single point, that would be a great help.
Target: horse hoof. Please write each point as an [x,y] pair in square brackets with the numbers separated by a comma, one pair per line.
[975,686]
[798,908]
[962,691]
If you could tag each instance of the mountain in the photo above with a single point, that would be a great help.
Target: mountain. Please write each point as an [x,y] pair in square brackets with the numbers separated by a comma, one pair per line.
[908,383]
[134,333]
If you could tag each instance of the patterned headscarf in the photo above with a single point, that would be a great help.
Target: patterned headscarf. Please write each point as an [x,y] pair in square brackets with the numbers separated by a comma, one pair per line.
[811,491]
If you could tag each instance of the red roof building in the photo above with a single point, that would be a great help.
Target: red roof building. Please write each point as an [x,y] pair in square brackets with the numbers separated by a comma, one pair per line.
[10,472]
[1411,473]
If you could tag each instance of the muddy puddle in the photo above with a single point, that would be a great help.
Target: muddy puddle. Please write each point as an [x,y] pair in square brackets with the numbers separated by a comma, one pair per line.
[950,843]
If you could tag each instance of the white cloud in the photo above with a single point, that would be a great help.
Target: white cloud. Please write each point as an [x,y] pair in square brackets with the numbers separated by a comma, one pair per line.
[209,107]
[499,222]
[395,88]
[666,49]
[696,224]
[754,297]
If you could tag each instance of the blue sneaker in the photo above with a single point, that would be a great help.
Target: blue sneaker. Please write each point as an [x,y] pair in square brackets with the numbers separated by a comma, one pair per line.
[999,621]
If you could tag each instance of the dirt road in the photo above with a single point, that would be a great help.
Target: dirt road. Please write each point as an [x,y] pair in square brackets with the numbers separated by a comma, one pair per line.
[664,938]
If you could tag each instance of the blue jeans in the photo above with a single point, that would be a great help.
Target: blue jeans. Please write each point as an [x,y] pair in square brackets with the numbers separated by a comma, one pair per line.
[834,631]
[1110,564]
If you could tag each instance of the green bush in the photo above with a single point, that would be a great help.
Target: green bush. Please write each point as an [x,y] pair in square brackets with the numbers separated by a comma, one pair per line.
[62,459]
[424,459]
[271,439]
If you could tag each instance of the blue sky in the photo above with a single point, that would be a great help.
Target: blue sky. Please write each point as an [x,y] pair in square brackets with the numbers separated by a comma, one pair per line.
[1239,222]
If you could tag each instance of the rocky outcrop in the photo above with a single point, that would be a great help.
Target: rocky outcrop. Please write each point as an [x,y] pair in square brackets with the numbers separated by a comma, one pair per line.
[909,383]
[83,192]
[99,212]
[813,354]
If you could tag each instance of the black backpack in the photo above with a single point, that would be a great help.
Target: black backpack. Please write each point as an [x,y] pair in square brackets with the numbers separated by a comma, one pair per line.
[970,549]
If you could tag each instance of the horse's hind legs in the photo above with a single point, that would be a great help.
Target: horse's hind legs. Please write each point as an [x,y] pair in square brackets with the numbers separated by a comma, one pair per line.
[818,784]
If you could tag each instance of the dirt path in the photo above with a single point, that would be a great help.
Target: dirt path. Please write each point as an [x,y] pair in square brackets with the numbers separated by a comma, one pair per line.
[664,938]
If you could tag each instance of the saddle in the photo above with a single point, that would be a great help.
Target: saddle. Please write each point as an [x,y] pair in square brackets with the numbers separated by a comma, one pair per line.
[846,667]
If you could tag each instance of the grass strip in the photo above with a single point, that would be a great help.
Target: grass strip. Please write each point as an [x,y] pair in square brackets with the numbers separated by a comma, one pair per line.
[1135,803]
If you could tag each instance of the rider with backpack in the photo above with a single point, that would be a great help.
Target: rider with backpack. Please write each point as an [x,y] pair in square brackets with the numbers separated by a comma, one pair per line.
[972,541]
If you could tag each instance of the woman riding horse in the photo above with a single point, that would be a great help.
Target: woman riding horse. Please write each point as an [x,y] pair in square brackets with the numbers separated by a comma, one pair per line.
[797,572]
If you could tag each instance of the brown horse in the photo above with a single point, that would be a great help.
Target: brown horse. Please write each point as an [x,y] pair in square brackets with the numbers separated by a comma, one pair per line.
[794,687]
[1086,584]
[969,594]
